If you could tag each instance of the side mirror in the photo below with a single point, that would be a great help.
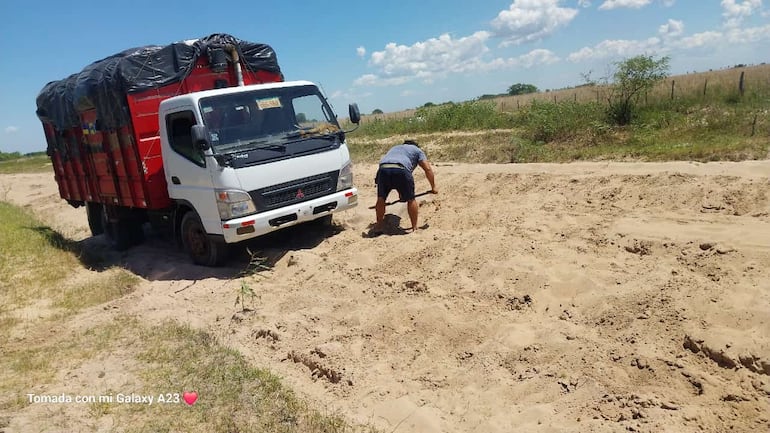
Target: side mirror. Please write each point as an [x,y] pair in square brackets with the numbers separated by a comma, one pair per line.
[354,113]
[200,137]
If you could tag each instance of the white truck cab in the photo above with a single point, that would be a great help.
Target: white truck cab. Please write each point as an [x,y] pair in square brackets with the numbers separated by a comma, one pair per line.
[244,161]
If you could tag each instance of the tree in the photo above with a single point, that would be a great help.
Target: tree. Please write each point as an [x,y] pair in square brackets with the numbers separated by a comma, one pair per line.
[522,89]
[377,111]
[632,78]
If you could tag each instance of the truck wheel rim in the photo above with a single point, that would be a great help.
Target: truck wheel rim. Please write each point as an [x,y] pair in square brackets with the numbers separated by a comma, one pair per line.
[196,240]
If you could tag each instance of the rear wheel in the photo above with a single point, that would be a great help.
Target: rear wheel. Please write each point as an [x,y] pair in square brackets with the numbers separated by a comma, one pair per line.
[123,229]
[202,249]
[94,212]
[117,231]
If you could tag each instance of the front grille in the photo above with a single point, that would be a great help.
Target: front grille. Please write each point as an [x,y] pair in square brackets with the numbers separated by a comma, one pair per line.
[296,191]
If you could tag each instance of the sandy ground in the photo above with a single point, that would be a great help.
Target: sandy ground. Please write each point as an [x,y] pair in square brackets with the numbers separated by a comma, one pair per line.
[580,297]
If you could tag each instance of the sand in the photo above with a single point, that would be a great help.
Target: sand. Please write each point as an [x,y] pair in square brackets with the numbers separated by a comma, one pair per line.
[541,297]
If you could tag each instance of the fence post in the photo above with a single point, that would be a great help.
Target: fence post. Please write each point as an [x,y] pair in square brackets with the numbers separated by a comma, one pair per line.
[705,83]
[740,82]
[673,82]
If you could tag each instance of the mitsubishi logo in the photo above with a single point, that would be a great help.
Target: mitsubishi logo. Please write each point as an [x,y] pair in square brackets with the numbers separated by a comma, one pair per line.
[300,194]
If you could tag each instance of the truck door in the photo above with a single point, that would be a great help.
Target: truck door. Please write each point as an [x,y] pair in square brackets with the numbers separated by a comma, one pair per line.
[187,176]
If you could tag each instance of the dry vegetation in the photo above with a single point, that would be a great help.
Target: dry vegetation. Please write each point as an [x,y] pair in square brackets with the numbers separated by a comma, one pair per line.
[708,118]
[61,334]
[719,82]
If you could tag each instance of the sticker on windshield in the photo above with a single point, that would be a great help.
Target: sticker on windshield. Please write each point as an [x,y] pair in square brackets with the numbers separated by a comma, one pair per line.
[267,103]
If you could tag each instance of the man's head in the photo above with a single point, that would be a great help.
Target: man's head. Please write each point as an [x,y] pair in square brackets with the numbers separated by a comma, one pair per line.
[412,142]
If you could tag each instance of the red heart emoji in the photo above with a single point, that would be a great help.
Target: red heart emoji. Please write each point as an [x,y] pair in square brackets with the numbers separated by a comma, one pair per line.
[190,397]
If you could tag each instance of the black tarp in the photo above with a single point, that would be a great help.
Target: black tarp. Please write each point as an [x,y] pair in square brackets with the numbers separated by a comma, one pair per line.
[103,84]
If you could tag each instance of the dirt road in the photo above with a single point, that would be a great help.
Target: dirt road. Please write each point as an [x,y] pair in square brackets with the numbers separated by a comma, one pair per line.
[576,297]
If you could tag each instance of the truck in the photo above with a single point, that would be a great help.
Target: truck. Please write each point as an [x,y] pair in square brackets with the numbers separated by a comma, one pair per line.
[203,139]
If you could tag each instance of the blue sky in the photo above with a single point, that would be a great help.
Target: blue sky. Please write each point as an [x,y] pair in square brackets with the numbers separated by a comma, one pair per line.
[388,55]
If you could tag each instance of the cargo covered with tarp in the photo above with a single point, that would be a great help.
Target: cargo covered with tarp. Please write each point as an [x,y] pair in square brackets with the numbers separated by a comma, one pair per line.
[103,85]
[101,124]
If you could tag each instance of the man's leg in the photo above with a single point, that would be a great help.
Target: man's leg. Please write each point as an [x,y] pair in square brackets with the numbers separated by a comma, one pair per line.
[379,210]
[412,207]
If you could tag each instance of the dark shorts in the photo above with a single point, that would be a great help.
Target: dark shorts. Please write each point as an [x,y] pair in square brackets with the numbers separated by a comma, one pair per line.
[399,179]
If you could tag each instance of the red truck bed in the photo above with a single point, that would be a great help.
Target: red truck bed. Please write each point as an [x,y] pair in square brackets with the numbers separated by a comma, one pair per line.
[101,125]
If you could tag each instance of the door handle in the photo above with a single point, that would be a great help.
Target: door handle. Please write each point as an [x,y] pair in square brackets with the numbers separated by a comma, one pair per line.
[175,180]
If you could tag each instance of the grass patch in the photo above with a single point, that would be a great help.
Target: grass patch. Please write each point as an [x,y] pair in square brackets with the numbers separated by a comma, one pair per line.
[30,264]
[169,358]
[233,396]
[26,164]
[466,116]
[568,131]
[97,289]
[705,117]
[38,263]
[40,271]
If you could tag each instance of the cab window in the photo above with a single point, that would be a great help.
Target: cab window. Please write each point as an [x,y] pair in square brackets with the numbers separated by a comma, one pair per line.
[180,136]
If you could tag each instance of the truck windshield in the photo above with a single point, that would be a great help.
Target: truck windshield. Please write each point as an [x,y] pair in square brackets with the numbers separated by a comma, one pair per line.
[269,119]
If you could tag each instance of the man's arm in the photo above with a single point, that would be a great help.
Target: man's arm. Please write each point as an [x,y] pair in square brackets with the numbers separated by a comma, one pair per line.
[426,167]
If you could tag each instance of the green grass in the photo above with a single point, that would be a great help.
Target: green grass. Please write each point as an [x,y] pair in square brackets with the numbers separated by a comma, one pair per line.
[30,261]
[103,287]
[169,358]
[233,395]
[38,264]
[724,126]
[44,285]
[26,164]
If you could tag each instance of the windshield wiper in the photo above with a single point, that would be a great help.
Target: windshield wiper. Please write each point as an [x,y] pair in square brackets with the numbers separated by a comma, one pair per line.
[254,145]
[281,147]
[226,158]
[296,136]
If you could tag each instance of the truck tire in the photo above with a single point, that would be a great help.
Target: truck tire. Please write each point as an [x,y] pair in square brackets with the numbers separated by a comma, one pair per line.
[118,232]
[94,213]
[203,249]
[136,230]
[324,222]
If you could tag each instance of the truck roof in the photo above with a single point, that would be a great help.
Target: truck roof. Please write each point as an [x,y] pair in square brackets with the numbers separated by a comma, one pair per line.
[193,98]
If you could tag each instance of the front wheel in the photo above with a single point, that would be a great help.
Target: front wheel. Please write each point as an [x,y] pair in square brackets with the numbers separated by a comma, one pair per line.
[202,249]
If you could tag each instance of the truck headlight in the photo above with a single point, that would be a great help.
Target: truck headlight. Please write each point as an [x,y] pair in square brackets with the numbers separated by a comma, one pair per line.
[345,180]
[233,204]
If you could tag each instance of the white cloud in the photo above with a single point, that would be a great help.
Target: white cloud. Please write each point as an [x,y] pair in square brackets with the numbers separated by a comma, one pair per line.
[698,40]
[672,28]
[537,57]
[530,20]
[361,51]
[584,3]
[668,3]
[374,80]
[11,129]
[615,4]
[748,35]
[397,64]
[735,11]
[616,48]
[529,60]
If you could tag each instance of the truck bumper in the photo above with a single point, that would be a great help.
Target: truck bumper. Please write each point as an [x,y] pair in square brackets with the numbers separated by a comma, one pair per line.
[241,229]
